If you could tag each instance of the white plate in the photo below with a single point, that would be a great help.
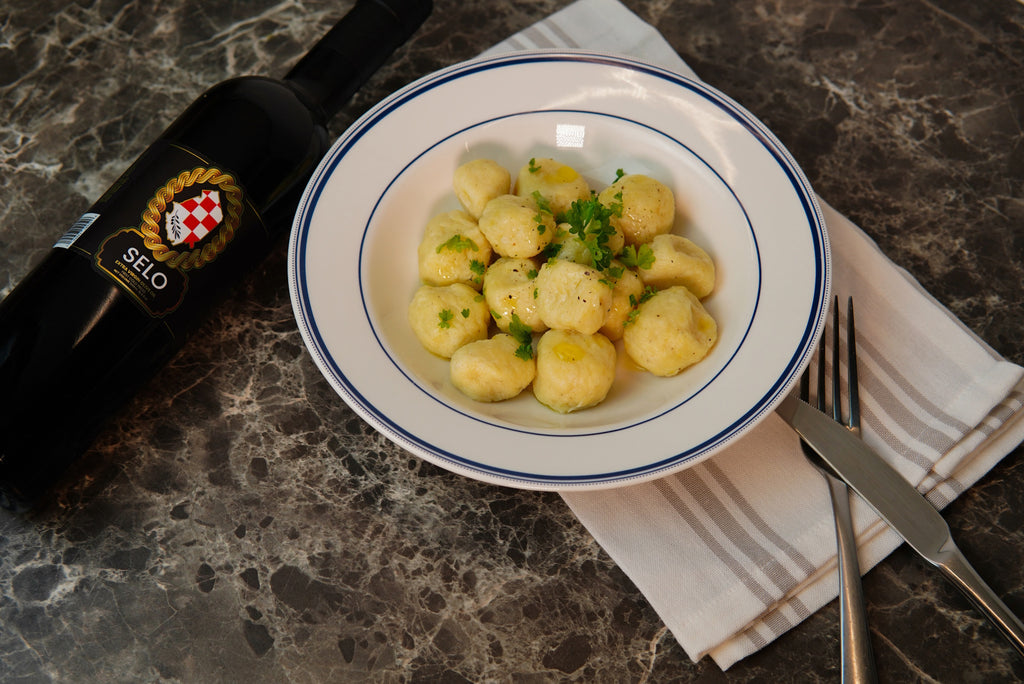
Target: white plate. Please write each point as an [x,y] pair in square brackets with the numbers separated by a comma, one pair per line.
[353,269]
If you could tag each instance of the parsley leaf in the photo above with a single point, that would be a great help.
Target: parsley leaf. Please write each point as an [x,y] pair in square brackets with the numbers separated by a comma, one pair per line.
[444,318]
[551,251]
[644,296]
[635,302]
[523,334]
[638,258]
[542,202]
[458,243]
[542,208]
[533,168]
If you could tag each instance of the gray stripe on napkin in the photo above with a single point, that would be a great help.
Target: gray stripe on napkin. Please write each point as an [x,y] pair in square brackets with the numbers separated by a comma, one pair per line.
[539,39]
[761,558]
[756,519]
[734,566]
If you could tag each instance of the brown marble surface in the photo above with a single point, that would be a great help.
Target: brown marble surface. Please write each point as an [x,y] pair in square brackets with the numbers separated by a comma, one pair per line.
[238,523]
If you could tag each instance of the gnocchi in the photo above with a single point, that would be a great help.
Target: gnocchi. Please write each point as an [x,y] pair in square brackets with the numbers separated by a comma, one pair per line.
[679,261]
[489,370]
[671,331]
[516,226]
[509,289]
[479,181]
[448,317]
[574,370]
[571,296]
[547,283]
[558,184]
[453,250]
[648,207]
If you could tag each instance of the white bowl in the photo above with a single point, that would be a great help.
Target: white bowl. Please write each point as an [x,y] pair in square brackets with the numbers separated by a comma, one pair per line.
[353,268]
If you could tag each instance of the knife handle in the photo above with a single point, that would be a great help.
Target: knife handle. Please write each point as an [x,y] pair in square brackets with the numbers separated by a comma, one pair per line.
[954,565]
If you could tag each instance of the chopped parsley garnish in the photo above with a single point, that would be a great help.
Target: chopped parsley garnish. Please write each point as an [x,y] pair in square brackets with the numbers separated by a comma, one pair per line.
[551,251]
[644,296]
[619,173]
[523,334]
[638,258]
[533,168]
[457,243]
[465,313]
[542,208]
[479,269]
[542,202]
[589,221]
[444,318]
[635,302]
[531,274]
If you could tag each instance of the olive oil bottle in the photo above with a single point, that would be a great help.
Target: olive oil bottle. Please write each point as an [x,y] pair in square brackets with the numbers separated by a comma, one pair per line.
[122,289]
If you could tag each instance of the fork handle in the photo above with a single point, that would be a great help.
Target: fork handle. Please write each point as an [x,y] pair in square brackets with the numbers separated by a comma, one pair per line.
[858,659]
[955,567]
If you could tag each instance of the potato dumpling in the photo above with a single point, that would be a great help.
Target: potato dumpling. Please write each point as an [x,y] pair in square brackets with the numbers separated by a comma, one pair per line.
[559,184]
[479,181]
[572,296]
[489,370]
[516,227]
[627,291]
[670,332]
[648,207]
[510,288]
[679,261]
[574,371]
[453,250]
[446,318]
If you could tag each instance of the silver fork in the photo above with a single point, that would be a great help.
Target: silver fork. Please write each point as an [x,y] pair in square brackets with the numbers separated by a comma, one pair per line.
[858,659]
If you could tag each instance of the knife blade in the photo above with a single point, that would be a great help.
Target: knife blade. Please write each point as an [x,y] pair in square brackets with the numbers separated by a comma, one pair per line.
[901,506]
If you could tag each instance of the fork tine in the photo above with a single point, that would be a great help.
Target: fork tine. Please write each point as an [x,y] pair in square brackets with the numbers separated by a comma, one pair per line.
[837,403]
[821,375]
[851,363]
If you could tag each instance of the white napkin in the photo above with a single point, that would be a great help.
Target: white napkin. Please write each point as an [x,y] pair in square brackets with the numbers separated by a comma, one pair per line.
[738,549]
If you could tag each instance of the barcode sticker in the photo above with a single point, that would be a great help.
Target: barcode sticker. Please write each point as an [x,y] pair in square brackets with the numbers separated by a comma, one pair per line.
[76,229]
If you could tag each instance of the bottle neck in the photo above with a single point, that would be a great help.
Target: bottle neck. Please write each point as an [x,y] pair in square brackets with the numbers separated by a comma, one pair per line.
[334,69]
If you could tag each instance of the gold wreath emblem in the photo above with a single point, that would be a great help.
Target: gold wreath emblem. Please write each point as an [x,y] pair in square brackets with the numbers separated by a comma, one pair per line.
[199,257]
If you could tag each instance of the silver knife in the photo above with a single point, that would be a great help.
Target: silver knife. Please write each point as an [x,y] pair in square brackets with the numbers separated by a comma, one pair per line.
[899,505]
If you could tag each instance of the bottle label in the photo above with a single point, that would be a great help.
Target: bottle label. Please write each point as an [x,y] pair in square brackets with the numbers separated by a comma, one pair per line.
[170,216]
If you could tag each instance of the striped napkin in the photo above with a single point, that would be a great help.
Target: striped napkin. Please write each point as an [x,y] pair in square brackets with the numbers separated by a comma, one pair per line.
[738,549]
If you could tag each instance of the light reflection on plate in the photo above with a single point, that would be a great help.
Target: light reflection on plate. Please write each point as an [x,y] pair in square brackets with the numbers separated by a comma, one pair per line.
[352,262]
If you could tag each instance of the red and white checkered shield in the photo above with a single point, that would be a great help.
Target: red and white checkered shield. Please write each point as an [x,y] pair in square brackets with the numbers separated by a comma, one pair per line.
[192,220]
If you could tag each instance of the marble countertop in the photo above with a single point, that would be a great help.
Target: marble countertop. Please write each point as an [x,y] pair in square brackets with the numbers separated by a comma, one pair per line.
[237,522]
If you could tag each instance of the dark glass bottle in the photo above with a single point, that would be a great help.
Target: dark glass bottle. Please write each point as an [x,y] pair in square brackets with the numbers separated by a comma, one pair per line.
[120,292]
